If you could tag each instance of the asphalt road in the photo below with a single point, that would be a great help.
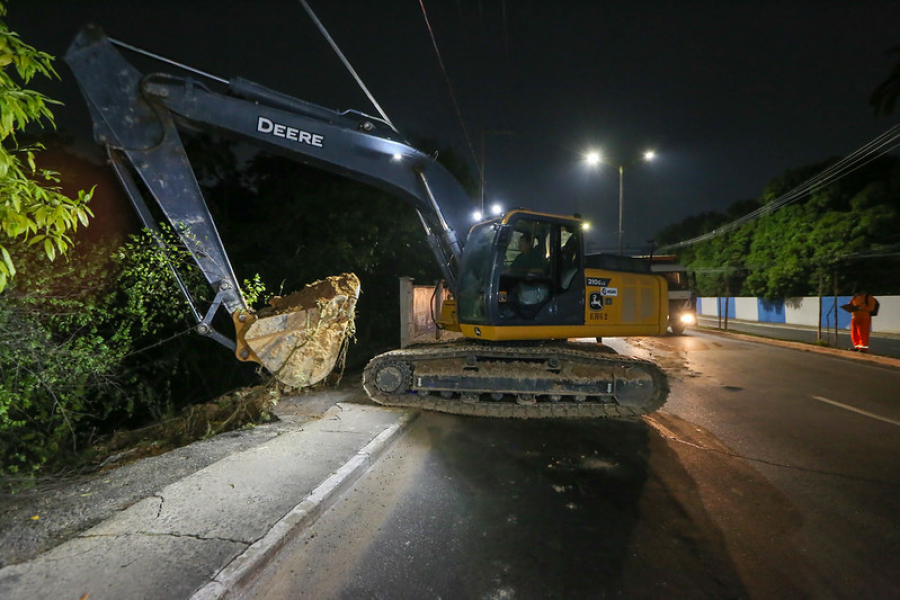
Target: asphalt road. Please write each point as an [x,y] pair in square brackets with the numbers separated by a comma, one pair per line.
[769,473]
[823,434]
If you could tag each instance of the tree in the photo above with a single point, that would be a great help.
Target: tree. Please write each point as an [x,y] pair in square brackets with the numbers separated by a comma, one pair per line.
[308,224]
[31,205]
[294,224]
[846,230]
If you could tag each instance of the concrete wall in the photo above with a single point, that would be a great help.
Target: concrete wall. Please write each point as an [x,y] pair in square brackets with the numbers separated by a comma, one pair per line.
[800,311]
[417,305]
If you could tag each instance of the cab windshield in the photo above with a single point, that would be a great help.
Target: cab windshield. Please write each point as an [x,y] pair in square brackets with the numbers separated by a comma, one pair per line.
[475,275]
[678,280]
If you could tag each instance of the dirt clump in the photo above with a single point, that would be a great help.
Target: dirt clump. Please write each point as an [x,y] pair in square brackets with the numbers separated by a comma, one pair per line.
[239,409]
[302,337]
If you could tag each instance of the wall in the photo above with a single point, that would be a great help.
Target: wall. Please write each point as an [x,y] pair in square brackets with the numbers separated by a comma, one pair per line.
[417,305]
[800,311]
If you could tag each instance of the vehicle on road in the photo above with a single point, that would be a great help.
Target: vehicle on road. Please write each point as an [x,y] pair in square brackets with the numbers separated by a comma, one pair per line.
[681,283]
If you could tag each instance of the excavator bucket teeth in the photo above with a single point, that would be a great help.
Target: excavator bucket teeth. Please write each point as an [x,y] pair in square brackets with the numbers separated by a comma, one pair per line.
[299,338]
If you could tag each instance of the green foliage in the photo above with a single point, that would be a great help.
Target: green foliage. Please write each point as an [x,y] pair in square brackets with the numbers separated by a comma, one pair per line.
[54,357]
[147,286]
[77,346]
[31,204]
[253,290]
[792,251]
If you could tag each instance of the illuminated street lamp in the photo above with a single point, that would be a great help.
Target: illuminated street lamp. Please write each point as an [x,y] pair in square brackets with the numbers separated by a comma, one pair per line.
[594,158]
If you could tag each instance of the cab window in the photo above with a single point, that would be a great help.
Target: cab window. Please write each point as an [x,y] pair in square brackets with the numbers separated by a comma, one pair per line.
[529,250]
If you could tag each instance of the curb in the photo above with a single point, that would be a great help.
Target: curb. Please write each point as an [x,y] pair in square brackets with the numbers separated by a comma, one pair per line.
[884,361]
[241,569]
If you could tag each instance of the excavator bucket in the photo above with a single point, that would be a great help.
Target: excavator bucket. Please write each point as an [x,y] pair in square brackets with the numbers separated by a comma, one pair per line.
[300,338]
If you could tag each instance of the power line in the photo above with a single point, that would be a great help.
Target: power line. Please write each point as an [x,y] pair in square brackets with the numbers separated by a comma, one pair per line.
[449,85]
[883,252]
[881,145]
[346,62]
[169,61]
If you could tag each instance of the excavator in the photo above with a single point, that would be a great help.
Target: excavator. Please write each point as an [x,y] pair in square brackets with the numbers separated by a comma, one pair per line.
[523,293]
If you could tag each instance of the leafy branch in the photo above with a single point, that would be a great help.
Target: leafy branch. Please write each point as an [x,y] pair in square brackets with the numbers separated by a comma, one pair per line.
[32,205]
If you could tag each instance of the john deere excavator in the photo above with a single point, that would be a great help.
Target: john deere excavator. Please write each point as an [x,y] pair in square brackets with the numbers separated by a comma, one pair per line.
[522,286]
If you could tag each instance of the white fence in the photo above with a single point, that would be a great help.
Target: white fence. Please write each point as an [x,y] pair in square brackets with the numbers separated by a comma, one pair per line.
[801,311]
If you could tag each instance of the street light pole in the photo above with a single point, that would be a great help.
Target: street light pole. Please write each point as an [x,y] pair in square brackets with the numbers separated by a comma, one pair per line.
[594,158]
[621,205]
[484,134]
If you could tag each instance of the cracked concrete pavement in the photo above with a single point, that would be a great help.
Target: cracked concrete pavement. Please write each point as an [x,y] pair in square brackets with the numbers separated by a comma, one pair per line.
[200,530]
[197,521]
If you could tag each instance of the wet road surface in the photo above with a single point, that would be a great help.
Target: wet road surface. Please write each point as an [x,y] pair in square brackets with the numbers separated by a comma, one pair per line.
[744,486]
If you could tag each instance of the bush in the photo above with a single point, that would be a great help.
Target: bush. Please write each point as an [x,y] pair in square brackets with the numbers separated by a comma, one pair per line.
[56,361]
[76,348]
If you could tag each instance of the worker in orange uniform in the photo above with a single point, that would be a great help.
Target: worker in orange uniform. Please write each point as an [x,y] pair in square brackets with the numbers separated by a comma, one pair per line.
[861,320]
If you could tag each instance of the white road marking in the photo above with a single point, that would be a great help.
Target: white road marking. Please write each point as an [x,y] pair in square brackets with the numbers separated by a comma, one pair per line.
[856,410]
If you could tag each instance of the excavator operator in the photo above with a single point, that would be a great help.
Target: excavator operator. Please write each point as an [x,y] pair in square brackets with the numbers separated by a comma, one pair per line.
[530,258]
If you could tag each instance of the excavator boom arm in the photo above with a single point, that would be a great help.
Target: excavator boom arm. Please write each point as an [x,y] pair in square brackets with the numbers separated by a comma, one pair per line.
[137,118]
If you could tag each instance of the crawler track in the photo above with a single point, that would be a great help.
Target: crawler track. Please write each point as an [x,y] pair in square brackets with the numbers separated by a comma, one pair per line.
[517,380]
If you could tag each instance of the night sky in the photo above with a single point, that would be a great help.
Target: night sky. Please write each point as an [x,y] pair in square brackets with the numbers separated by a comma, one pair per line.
[729,93]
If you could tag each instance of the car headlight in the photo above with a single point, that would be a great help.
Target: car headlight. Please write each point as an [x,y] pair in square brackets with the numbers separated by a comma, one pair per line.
[688,318]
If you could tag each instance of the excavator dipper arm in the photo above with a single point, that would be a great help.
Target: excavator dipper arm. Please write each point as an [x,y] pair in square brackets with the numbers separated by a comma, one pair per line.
[137,118]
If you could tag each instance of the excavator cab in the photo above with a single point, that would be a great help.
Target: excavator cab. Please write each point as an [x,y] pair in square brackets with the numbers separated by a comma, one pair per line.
[525,276]
[520,270]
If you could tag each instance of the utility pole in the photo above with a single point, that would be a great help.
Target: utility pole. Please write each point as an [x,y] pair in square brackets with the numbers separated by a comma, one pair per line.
[594,158]
[484,133]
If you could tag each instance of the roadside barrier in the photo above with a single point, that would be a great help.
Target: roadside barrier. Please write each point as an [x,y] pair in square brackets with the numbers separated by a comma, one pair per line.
[805,311]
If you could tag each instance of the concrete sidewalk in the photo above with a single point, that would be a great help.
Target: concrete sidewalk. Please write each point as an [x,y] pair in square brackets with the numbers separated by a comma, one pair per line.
[885,348]
[204,535]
